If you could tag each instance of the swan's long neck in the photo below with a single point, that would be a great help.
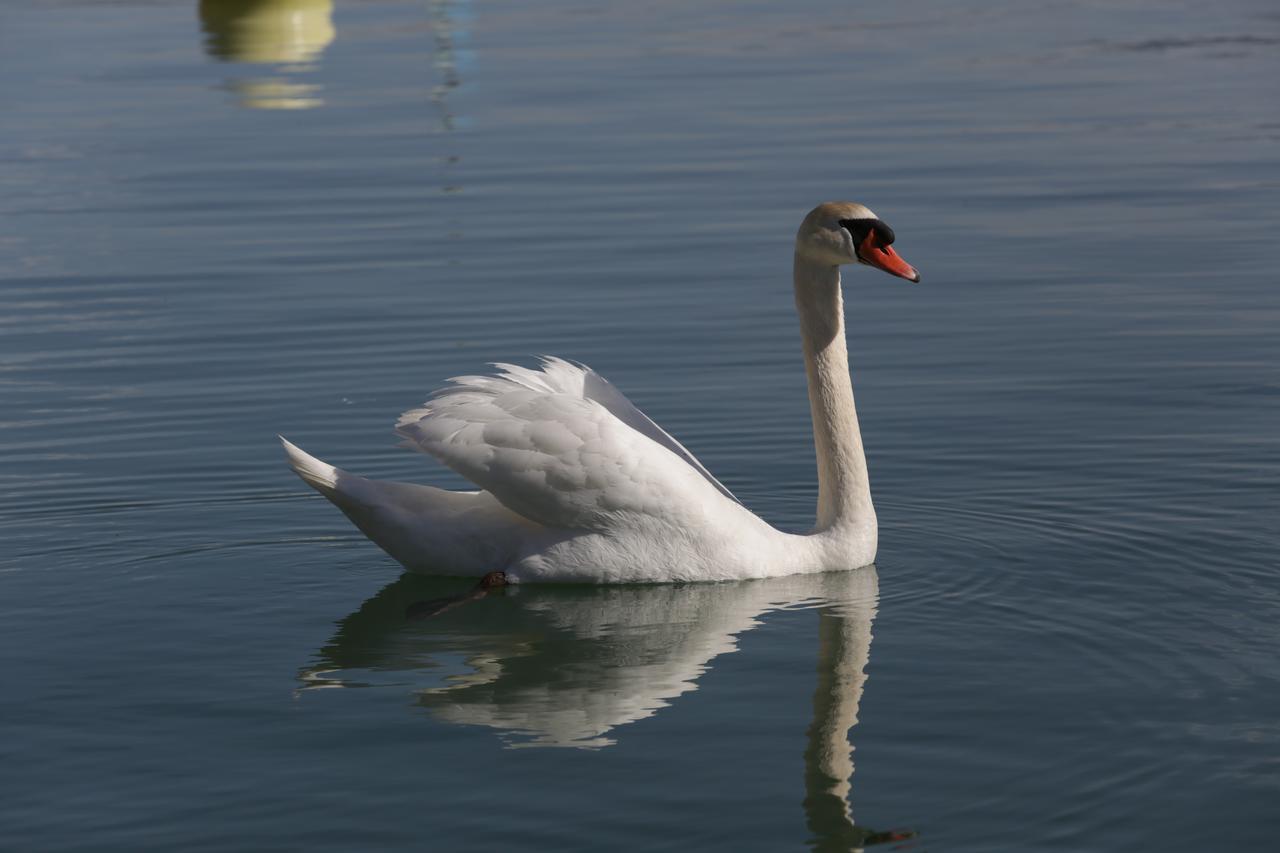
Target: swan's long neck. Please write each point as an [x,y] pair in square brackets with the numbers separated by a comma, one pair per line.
[844,496]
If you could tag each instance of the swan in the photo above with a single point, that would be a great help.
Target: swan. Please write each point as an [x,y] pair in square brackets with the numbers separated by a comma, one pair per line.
[577,485]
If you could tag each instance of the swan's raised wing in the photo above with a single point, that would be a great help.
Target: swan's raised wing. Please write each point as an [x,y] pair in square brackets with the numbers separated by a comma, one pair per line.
[560,375]
[560,446]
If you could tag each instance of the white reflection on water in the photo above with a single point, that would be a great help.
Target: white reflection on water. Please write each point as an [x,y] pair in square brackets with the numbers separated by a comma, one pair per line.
[552,666]
[290,34]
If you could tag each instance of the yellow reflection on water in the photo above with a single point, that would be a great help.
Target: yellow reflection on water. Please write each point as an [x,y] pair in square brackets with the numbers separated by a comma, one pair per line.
[276,94]
[292,34]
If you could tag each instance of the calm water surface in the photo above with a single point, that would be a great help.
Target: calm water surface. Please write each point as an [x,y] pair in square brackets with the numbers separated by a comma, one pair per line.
[227,220]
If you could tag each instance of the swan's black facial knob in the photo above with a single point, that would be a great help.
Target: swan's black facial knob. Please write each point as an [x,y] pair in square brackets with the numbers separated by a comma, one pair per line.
[859,228]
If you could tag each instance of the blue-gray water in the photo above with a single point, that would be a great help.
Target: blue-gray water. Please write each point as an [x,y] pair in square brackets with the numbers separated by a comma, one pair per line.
[1073,424]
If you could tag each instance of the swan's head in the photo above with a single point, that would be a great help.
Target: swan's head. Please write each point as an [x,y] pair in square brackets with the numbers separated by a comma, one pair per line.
[843,232]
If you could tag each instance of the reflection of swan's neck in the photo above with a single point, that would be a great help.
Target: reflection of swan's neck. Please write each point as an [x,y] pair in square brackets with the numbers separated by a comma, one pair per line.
[844,496]
[844,645]
[829,757]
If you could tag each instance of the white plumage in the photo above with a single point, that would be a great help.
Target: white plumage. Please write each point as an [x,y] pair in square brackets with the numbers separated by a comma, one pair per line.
[560,446]
[577,484]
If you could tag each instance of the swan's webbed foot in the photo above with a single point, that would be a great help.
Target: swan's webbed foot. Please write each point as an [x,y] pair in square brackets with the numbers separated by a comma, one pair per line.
[493,580]
[436,606]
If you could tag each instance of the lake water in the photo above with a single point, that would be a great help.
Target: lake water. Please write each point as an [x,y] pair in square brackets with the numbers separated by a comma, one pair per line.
[227,221]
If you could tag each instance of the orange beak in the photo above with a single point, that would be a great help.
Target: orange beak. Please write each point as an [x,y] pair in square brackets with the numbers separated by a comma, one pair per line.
[875,253]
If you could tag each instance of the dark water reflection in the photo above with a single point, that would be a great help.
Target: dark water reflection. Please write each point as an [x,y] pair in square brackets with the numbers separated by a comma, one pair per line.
[566,666]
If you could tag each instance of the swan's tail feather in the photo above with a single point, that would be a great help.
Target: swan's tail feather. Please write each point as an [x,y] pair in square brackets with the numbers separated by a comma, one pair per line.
[320,475]
[426,529]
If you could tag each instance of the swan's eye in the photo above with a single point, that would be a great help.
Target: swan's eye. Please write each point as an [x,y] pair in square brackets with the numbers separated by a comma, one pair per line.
[859,228]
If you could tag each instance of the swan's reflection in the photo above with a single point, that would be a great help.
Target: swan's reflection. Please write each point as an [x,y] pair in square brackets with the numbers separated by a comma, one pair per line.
[566,666]
[289,34]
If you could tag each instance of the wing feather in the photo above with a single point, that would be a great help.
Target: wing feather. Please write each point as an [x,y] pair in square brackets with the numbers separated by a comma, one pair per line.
[561,375]
[560,446]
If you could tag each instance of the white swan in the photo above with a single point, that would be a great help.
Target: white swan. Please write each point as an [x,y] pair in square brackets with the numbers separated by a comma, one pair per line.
[578,485]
